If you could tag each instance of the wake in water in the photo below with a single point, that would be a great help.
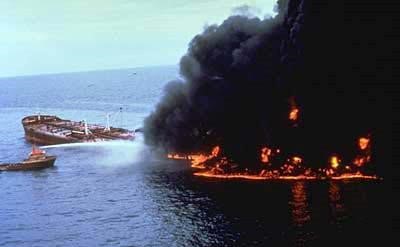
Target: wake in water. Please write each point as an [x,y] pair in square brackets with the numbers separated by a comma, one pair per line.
[111,153]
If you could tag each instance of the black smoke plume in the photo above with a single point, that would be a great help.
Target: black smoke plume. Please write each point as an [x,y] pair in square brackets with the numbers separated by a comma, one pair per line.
[241,78]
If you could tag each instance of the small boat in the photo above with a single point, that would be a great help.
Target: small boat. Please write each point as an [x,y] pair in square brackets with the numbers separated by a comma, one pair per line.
[37,160]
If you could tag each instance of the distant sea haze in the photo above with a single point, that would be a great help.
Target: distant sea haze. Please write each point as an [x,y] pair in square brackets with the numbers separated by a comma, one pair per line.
[95,90]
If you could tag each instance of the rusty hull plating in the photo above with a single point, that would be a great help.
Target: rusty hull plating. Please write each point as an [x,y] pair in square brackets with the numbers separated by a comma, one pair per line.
[48,130]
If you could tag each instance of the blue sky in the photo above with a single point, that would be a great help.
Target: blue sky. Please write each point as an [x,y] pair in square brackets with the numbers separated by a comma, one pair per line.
[52,36]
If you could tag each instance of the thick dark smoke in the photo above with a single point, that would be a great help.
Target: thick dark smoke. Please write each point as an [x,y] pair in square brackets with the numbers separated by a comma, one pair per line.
[242,77]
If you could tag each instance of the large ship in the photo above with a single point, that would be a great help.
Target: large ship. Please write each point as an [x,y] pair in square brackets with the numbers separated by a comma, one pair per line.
[48,130]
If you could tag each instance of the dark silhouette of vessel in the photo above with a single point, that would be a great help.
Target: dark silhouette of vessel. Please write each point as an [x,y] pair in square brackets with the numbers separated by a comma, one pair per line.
[48,130]
[37,160]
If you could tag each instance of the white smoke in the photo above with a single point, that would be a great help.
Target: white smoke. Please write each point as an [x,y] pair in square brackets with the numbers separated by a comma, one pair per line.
[256,8]
[111,153]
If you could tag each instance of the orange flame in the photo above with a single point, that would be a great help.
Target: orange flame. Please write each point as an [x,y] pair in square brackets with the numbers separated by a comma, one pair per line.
[294,110]
[359,161]
[365,156]
[292,170]
[296,160]
[215,151]
[357,175]
[230,176]
[335,161]
[363,143]
[265,154]
[293,115]
[246,176]
[196,160]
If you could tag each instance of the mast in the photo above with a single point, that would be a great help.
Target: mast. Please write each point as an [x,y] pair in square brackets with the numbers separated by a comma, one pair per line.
[86,127]
[108,122]
[120,113]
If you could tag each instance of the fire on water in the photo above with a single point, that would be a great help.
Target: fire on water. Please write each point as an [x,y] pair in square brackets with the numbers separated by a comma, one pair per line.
[291,166]
[292,169]
[298,177]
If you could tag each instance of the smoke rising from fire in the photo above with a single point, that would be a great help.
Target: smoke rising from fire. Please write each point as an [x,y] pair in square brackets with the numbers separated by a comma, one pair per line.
[295,82]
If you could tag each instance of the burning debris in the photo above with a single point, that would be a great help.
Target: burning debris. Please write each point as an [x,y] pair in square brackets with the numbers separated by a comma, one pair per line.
[275,96]
[363,143]
[265,154]
[335,162]
[217,166]
[294,111]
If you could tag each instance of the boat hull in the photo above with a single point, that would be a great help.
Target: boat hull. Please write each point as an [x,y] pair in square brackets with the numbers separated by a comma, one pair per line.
[29,164]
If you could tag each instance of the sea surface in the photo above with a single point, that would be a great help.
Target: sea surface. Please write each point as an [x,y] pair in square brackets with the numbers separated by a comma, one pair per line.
[119,194]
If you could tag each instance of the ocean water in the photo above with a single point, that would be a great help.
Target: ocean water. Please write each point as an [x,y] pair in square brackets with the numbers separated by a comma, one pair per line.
[119,194]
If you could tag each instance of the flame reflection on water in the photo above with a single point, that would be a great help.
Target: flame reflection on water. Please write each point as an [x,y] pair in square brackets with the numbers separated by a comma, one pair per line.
[299,204]
[335,200]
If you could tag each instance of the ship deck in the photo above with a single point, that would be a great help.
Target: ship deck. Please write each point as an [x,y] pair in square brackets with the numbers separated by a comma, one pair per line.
[71,131]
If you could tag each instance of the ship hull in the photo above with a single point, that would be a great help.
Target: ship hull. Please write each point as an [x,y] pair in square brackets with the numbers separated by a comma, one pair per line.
[50,130]
[29,165]
[34,136]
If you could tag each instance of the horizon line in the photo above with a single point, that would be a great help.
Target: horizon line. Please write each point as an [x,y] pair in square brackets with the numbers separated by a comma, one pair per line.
[84,71]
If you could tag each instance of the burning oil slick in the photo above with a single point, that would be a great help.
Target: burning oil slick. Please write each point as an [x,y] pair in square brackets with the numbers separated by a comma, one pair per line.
[217,166]
[291,93]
